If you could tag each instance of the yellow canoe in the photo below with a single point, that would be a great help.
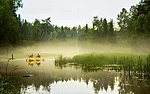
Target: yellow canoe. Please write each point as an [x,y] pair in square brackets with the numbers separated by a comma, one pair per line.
[37,59]
[34,59]
[31,63]
[30,59]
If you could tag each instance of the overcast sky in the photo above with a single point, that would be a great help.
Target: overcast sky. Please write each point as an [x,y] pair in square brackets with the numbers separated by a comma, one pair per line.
[73,12]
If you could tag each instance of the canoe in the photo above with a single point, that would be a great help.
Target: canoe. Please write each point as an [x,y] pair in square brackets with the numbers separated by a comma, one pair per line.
[31,63]
[38,59]
[30,59]
[34,59]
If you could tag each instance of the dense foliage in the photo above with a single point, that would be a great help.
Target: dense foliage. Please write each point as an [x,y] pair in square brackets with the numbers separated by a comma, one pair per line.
[135,24]
[9,30]
[134,27]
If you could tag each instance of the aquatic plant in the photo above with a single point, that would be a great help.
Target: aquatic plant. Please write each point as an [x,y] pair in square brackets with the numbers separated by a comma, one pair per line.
[60,61]
[130,63]
[9,84]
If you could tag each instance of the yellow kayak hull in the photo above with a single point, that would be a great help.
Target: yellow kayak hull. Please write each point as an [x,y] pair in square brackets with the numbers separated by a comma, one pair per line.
[34,59]
[37,59]
[31,63]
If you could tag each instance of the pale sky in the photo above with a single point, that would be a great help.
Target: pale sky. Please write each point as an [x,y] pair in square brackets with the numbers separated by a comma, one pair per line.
[73,12]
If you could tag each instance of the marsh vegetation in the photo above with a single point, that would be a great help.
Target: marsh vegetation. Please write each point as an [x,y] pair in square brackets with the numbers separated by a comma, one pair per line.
[131,63]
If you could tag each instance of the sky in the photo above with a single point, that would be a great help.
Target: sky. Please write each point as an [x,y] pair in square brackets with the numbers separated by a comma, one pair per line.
[73,12]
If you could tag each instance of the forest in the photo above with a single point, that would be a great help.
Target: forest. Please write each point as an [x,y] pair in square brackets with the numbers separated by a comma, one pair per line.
[134,27]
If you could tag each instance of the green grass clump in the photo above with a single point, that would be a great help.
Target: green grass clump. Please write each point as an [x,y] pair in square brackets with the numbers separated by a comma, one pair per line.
[90,59]
[9,85]
[60,60]
[127,62]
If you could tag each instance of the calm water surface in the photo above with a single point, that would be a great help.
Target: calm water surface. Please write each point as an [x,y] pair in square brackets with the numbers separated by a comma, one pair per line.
[49,79]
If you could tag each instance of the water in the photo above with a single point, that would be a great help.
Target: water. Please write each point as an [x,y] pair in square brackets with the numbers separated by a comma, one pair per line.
[49,79]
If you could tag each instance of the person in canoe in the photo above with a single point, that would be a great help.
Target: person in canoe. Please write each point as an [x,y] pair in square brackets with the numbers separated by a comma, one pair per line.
[12,58]
[31,56]
[38,56]
[38,59]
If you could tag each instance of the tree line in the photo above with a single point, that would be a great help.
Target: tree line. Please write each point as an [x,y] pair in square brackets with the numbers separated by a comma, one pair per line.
[135,24]
[134,27]
[9,29]
[45,31]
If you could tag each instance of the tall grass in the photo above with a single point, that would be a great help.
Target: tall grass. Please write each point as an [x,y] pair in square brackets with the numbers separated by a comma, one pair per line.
[9,84]
[61,61]
[134,63]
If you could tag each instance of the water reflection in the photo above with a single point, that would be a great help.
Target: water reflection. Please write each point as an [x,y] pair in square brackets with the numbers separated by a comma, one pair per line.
[128,84]
[31,89]
[74,79]
[100,82]
[134,85]
[97,81]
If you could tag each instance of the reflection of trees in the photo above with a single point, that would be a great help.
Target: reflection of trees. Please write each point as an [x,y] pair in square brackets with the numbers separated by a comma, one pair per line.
[104,80]
[46,79]
[37,80]
[101,80]
[133,85]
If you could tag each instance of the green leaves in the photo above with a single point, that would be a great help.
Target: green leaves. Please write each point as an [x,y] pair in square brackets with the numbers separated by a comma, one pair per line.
[135,24]
[123,19]
[9,31]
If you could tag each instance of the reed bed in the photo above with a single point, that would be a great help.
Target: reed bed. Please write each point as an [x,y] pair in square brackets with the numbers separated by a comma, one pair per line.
[137,63]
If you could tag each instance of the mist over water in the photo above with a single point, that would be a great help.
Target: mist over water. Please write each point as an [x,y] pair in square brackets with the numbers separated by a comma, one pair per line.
[48,78]
[70,48]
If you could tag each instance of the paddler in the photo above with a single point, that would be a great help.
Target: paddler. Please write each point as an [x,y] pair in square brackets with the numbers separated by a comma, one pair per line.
[38,56]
